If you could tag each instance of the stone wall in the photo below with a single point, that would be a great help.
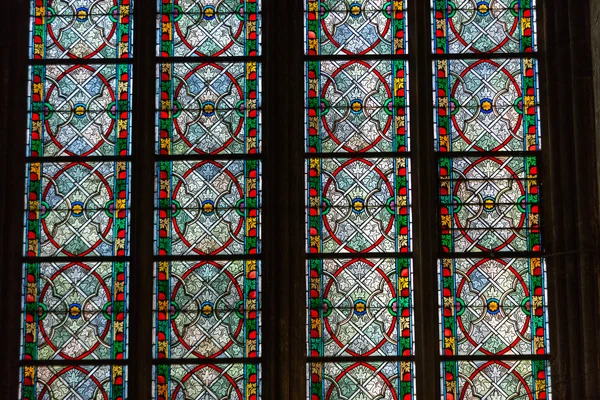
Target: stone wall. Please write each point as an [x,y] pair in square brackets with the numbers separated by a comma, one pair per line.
[595,33]
[595,44]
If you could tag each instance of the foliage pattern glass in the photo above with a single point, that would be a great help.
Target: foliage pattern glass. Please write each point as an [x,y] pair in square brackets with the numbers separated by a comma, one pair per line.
[76,211]
[79,313]
[189,28]
[489,204]
[489,380]
[357,106]
[214,381]
[358,205]
[208,207]
[360,380]
[362,307]
[487,105]
[55,382]
[493,306]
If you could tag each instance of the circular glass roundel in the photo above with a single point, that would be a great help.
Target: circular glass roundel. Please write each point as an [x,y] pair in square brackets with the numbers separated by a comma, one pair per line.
[205,319]
[492,318]
[357,192]
[80,110]
[72,321]
[208,108]
[355,109]
[359,320]
[208,207]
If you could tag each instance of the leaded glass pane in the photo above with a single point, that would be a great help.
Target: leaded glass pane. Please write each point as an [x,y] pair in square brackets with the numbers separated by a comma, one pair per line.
[493,306]
[215,381]
[355,27]
[79,110]
[208,207]
[489,204]
[360,301]
[358,205]
[188,28]
[208,309]
[208,199]
[489,380]
[98,382]
[486,105]
[75,310]
[357,106]
[209,108]
[81,29]
[77,209]
[484,26]
[360,307]
[360,380]
[486,112]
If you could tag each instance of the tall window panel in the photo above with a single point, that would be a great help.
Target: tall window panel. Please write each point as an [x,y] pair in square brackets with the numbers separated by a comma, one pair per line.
[76,239]
[208,200]
[493,332]
[358,243]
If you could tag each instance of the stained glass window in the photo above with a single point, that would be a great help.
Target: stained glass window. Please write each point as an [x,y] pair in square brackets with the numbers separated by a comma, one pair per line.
[359,279]
[207,326]
[493,331]
[76,237]
[205,154]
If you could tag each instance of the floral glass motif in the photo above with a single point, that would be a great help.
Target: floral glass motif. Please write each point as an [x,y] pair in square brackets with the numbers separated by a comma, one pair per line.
[358,205]
[223,28]
[81,29]
[79,313]
[493,306]
[208,309]
[489,204]
[355,27]
[79,110]
[497,379]
[209,108]
[208,199]
[77,209]
[359,303]
[483,26]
